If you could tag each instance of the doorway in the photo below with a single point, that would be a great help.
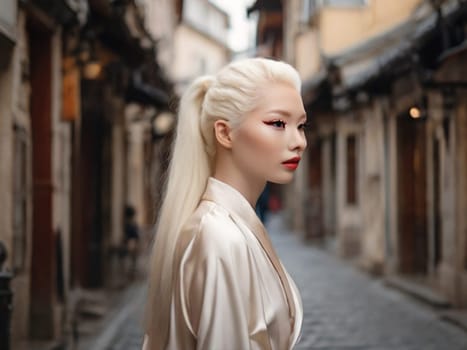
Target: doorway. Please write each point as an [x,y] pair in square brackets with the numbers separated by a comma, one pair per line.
[43,259]
[437,218]
[412,204]
[93,182]
[314,213]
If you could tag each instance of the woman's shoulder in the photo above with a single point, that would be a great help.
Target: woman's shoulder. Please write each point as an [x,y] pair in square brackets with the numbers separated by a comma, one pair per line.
[211,230]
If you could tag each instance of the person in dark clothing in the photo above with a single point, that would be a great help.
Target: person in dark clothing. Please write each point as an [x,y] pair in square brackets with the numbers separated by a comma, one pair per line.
[132,233]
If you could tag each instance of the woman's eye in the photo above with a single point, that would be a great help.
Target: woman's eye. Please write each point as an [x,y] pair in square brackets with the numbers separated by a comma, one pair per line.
[277,124]
[304,126]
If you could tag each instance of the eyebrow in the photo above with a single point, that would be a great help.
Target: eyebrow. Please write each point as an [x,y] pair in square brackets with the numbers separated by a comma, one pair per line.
[285,113]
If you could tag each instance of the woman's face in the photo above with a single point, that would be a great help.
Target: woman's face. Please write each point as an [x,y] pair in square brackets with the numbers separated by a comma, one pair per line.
[270,140]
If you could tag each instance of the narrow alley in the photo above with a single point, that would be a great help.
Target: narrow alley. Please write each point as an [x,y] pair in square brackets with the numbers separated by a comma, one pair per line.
[346,309]
[343,308]
[90,96]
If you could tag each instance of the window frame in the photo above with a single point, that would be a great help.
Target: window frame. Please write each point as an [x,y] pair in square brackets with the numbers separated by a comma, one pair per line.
[344,3]
[308,10]
[20,185]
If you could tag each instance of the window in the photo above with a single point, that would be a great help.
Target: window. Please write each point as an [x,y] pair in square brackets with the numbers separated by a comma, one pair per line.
[351,162]
[20,196]
[345,3]
[308,10]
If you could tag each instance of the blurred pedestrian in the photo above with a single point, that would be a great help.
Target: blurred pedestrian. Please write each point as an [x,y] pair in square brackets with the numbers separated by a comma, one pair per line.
[262,204]
[216,282]
[131,241]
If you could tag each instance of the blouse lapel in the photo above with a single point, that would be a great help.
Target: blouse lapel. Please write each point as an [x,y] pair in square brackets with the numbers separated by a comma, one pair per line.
[240,209]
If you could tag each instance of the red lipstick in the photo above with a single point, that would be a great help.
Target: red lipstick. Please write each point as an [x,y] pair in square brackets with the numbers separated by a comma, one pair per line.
[292,163]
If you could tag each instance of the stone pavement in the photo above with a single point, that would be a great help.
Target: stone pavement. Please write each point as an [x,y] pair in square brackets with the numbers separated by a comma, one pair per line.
[344,308]
[123,330]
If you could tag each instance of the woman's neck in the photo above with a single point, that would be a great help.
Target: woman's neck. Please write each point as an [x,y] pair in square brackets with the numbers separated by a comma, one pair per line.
[249,188]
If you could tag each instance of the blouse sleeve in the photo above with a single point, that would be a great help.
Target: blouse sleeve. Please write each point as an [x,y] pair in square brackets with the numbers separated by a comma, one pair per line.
[219,287]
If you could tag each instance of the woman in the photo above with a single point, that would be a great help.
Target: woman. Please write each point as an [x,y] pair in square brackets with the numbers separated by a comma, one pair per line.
[216,281]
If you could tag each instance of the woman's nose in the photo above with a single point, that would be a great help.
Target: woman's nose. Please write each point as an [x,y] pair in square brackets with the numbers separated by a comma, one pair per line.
[297,141]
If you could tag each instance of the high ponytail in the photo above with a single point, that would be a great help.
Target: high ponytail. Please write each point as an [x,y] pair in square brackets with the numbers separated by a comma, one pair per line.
[187,178]
[229,96]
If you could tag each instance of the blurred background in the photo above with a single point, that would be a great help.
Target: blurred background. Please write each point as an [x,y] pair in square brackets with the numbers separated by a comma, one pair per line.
[88,100]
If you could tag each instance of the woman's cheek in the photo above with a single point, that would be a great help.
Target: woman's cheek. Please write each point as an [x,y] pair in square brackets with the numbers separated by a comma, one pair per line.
[258,142]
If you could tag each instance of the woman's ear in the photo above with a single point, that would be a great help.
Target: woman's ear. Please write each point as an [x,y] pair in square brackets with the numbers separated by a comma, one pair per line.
[223,132]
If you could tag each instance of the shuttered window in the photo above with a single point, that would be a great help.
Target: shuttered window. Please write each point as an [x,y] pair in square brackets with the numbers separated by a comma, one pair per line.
[20,194]
[351,162]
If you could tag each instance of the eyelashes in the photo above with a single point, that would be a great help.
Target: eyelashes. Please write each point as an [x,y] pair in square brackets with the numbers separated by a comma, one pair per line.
[280,124]
[304,126]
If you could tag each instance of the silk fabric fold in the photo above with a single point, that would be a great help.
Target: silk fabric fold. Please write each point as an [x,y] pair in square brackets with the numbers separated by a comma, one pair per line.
[231,290]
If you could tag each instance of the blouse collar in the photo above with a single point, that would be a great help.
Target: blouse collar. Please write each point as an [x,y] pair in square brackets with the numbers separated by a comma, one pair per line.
[232,200]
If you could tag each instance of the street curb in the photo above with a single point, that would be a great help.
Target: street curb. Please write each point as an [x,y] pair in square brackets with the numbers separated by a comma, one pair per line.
[417,291]
[115,320]
[456,317]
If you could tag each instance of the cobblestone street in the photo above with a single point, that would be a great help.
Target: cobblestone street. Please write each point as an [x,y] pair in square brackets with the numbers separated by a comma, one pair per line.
[344,308]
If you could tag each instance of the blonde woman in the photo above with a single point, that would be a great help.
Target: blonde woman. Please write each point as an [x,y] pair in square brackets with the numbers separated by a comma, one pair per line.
[216,281]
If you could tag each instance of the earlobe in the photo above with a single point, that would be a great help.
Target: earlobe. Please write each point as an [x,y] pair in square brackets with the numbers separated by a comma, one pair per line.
[222,133]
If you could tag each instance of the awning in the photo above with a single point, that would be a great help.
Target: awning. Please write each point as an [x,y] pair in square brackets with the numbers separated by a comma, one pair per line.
[63,12]
[315,87]
[389,53]
[144,93]
[121,29]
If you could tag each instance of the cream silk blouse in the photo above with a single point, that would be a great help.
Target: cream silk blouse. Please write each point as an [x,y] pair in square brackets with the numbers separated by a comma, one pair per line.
[231,290]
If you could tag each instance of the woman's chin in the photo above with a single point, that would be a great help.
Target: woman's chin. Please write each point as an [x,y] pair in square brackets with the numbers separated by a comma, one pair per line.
[283,179]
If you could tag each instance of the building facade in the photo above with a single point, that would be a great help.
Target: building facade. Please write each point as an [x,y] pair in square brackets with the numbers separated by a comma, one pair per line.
[200,42]
[35,168]
[68,72]
[386,157]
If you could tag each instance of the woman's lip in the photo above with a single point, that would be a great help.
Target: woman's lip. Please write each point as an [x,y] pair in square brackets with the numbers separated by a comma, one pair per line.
[292,160]
[291,165]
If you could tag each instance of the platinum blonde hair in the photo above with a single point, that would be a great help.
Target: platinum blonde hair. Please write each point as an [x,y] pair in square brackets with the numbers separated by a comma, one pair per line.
[229,95]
